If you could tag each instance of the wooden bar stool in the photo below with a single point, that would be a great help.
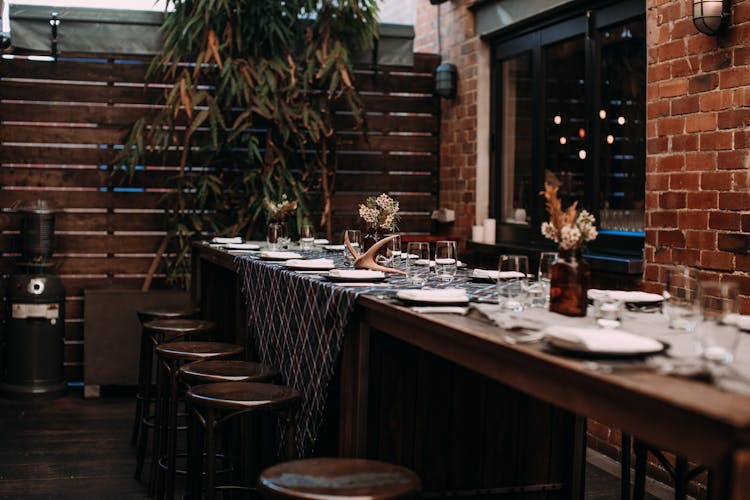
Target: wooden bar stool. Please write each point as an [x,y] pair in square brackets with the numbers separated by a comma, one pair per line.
[154,332]
[147,356]
[171,356]
[331,478]
[226,370]
[213,405]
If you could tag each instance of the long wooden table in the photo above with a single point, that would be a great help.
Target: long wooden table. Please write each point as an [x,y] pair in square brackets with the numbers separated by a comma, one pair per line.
[686,417]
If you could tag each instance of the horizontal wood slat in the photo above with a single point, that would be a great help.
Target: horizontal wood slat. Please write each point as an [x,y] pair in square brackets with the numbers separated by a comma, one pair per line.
[61,121]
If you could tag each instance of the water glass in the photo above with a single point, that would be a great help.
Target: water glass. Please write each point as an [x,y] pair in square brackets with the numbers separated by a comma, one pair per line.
[394,251]
[608,311]
[275,235]
[539,291]
[417,263]
[355,238]
[718,339]
[306,237]
[446,261]
[680,304]
[511,290]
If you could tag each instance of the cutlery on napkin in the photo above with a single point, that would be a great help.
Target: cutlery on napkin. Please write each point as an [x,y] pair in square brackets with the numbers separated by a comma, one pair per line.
[268,254]
[444,295]
[356,274]
[506,319]
[224,241]
[322,264]
[495,275]
[441,310]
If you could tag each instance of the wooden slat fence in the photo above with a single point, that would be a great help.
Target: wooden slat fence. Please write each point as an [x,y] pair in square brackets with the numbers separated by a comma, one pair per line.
[61,123]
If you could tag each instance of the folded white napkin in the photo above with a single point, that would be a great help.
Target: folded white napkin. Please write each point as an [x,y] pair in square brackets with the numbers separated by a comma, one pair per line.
[334,248]
[269,254]
[320,241]
[357,274]
[507,319]
[599,340]
[311,264]
[445,295]
[242,246]
[441,310]
[623,295]
[495,275]
[224,241]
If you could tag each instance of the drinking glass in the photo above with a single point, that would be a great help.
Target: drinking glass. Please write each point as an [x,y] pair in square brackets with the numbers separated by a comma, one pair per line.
[511,290]
[539,291]
[417,263]
[446,263]
[718,339]
[355,238]
[680,294]
[275,235]
[306,236]
[394,251]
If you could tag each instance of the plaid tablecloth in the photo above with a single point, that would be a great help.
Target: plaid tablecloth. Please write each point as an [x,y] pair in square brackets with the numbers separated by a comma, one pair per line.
[298,321]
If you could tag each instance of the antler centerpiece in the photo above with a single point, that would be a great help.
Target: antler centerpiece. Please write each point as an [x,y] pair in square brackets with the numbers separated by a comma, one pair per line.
[367,259]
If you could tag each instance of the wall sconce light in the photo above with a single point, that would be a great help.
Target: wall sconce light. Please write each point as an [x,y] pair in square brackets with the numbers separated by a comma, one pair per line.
[446,78]
[711,16]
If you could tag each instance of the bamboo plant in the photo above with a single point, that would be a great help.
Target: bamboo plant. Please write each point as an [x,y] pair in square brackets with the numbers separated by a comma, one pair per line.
[251,88]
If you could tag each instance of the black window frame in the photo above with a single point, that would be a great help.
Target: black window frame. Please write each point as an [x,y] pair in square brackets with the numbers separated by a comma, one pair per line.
[585,19]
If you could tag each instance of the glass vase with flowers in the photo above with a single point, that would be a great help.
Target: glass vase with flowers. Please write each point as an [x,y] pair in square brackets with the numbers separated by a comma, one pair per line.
[381,217]
[569,276]
[277,214]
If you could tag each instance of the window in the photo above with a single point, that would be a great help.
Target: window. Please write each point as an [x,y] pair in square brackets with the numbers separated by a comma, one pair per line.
[570,107]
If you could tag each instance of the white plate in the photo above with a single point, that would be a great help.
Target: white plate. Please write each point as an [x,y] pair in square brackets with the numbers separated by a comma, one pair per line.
[601,342]
[355,275]
[241,246]
[269,255]
[310,265]
[426,297]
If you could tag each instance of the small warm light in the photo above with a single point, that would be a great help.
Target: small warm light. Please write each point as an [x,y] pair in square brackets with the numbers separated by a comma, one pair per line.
[602,114]
[557,119]
[581,133]
[610,139]
[563,140]
[621,120]
[582,154]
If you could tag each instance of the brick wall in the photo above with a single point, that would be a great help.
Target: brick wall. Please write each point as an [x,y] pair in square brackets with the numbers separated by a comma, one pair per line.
[458,132]
[698,139]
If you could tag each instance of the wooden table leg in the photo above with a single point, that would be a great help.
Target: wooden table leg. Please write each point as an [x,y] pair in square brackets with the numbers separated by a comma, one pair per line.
[738,482]
[355,368]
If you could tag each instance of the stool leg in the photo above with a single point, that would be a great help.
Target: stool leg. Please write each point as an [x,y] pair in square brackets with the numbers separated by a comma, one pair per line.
[171,433]
[681,478]
[137,420]
[195,438]
[156,445]
[210,428]
[147,360]
[641,454]
[625,467]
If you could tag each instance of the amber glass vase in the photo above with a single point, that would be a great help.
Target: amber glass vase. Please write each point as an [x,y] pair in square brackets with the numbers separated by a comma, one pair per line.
[569,284]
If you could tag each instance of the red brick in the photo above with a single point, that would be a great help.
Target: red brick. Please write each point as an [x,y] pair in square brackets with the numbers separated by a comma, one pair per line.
[651,273]
[685,105]
[658,145]
[686,142]
[650,238]
[716,180]
[659,72]
[684,181]
[701,240]
[671,200]
[733,242]
[686,256]
[714,101]
[671,50]
[669,163]
[715,141]
[746,223]
[673,88]
[657,109]
[742,139]
[742,56]
[663,218]
[742,263]
[700,161]
[683,67]
[673,126]
[700,44]
[742,97]
[663,255]
[729,221]
[656,182]
[722,261]
[734,118]
[734,201]
[716,60]
[672,238]
[700,122]
[733,78]
[703,83]
[734,160]
[700,200]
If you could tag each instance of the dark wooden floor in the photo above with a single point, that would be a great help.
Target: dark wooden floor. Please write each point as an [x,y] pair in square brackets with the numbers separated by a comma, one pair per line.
[76,448]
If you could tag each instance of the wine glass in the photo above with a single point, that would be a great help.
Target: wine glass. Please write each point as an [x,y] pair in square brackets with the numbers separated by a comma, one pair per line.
[446,263]
[355,238]
[306,236]
[417,263]
[513,281]
[718,338]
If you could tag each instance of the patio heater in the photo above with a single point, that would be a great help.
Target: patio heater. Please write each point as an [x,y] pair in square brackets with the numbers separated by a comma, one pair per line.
[35,313]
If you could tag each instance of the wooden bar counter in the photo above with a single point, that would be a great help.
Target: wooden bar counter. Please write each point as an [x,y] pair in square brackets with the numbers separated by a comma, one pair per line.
[472,413]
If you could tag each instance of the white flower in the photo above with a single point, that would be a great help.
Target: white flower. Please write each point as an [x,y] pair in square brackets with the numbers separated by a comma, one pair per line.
[592,234]
[548,231]
[370,215]
[569,237]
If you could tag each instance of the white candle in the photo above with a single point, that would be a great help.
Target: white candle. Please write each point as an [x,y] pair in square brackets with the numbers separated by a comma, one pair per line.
[477,233]
[489,231]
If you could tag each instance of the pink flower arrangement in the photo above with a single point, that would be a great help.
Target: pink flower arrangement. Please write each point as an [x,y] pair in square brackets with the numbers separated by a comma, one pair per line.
[568,228]
[380,212]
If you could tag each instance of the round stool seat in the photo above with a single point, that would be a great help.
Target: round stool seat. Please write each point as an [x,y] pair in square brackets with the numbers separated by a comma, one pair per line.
[242,396]
[331,478]
[193,351]
[170,328]
[227,370]
[151,313]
